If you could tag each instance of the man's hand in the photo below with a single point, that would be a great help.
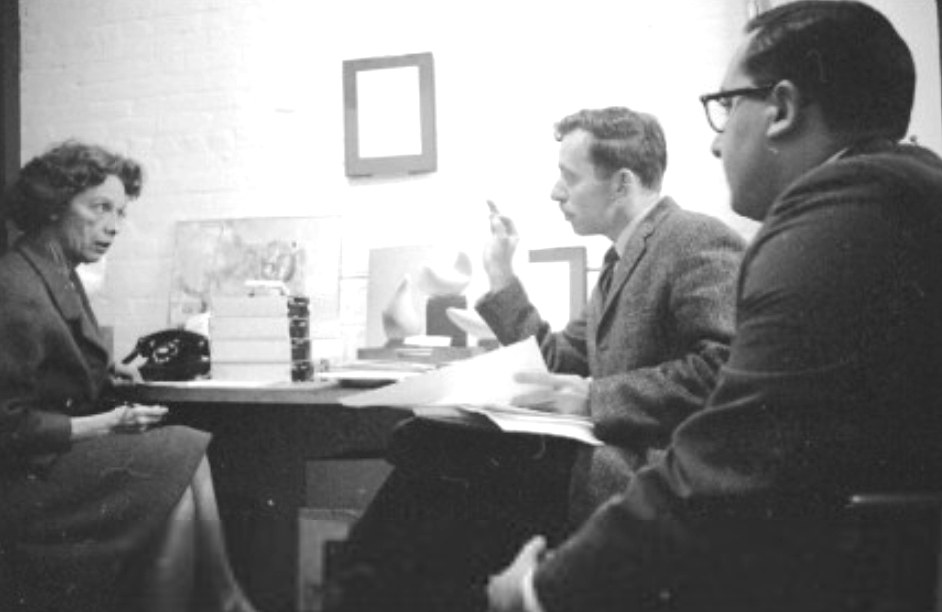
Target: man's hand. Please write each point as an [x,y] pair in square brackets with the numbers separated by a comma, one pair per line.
[499,250]
[503,590]
[561,393]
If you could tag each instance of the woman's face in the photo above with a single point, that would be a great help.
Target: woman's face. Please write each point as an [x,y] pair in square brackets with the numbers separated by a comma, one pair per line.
[92,220]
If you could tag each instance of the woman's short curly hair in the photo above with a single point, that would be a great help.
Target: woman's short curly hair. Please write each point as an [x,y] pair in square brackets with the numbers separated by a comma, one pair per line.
[48,182]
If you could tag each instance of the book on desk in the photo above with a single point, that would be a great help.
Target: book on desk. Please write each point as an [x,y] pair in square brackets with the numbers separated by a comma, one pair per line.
[380,366]
[261,338]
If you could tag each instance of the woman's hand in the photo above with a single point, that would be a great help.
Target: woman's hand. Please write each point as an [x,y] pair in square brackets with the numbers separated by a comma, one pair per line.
[133,418]
[129,418]
[123,375]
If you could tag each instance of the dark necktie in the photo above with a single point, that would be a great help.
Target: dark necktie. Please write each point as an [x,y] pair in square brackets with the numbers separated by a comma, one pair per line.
[608,272]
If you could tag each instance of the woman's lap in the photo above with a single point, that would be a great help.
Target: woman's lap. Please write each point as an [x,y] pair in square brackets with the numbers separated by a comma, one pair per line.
[76,525]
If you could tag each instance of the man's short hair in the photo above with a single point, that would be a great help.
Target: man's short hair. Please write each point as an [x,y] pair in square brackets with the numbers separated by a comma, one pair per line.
[844,56]
[623,138]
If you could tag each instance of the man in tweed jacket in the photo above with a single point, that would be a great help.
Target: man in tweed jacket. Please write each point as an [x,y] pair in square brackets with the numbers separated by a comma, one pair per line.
[639,360]
[646,353]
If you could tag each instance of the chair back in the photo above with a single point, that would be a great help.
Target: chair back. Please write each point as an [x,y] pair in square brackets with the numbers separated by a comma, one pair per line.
[896,542]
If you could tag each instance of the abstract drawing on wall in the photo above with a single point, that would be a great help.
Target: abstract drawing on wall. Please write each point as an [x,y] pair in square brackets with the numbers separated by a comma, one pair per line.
[226,257]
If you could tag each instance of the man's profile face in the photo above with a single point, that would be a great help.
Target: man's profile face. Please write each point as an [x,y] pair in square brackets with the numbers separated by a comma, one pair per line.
[584,198]
[742,146]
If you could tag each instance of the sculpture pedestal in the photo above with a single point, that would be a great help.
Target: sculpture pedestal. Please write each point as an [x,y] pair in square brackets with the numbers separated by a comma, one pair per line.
[437,322]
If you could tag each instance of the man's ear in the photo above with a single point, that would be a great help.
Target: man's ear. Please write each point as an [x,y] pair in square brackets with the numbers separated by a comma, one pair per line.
[623,181]
[786,109]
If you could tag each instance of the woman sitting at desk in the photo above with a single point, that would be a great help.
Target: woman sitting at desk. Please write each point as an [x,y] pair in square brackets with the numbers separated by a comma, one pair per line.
[99,509]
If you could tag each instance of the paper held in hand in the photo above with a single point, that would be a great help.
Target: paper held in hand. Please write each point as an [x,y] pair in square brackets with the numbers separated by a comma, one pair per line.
[482,385]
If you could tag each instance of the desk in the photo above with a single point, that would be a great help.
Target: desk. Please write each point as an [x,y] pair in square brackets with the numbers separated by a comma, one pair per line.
[262,438]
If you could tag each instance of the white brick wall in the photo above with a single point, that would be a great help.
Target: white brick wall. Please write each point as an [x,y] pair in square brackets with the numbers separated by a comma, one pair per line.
[235,109]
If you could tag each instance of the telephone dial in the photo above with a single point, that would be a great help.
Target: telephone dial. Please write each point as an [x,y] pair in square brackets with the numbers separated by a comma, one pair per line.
[172,354]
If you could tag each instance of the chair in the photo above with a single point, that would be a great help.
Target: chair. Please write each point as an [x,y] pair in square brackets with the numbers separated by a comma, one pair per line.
[895,540]
[7,595]
[879,552]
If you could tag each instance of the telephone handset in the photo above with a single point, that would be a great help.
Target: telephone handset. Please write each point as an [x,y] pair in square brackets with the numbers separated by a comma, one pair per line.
[172,354]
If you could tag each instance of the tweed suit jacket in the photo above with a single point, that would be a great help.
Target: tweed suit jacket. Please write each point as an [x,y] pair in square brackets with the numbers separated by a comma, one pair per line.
[653,347]
[832,387]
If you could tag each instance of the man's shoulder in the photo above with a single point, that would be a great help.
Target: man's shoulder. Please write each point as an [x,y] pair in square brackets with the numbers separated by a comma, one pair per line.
[891,175]
[900,165]
[678,221]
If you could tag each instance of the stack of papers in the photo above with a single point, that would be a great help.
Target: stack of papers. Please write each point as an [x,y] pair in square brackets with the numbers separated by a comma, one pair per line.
[482,385]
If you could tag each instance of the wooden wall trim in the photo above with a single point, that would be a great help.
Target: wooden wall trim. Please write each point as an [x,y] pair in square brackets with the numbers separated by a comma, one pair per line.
[9,99]
[938,16]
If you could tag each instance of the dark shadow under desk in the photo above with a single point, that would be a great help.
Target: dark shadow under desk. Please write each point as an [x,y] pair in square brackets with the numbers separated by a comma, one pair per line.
[263,437]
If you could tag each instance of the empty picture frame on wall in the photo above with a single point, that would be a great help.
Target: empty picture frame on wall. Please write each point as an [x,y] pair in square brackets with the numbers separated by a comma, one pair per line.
[389,115]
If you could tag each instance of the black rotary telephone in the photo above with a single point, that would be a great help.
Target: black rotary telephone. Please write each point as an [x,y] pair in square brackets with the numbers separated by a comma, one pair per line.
[172,354]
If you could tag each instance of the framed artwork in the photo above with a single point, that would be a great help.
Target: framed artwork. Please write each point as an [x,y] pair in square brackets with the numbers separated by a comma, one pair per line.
[389,115]
[221,257]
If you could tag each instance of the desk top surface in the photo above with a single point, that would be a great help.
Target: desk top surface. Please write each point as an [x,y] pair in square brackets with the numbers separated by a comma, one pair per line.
[221,392]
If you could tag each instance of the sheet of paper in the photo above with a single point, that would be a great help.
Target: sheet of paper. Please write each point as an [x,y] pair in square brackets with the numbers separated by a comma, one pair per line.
[523,420]
[561,429]
[485,379]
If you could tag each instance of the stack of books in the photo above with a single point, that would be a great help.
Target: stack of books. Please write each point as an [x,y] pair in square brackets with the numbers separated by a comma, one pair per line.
[260,338]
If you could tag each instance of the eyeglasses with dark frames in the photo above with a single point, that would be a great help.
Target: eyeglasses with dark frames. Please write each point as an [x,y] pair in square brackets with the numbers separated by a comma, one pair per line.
[718,106]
